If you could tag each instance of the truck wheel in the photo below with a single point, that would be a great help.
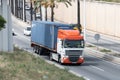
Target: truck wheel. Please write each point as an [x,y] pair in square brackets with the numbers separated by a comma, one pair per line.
[37,50]
[34,49]
[59,59]
[79,64]
[50,57]
[40,51]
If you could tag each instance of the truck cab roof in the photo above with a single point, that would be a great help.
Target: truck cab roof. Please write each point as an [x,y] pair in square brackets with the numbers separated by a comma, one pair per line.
[69,34]
[54,24]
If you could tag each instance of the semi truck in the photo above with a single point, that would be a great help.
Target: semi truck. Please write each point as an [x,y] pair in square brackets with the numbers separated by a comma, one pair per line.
[60,41]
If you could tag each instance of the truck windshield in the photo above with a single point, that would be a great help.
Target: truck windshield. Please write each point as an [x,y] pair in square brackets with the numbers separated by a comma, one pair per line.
[73,43]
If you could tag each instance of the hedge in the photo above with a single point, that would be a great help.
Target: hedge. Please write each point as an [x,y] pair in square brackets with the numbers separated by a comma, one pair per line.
[2,22]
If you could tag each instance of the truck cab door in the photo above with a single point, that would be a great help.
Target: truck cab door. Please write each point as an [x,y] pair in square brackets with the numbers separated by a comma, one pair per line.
[59,46]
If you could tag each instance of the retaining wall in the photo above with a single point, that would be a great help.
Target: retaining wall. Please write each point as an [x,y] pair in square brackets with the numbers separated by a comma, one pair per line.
[100,16]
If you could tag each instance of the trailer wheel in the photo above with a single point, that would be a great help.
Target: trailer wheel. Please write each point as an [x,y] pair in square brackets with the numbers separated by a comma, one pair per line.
[50,57]
[40,51]
[35,49]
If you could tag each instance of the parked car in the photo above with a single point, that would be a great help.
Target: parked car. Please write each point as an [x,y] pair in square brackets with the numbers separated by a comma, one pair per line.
[27,31]
[37,15]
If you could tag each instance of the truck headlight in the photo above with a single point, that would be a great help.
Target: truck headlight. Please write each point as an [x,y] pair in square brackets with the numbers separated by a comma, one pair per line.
[80,56]
[66,56]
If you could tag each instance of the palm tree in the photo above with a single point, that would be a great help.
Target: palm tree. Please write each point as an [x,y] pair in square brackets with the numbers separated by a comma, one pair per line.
[16,8]
[40,11]
[46,5]
[39,4]
[31,10]
[35,8]
[78,16]
[66,2]
[52,6]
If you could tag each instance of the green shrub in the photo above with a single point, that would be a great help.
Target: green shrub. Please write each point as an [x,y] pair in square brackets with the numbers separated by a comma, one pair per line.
[90,46]
[105,50]
[2,22]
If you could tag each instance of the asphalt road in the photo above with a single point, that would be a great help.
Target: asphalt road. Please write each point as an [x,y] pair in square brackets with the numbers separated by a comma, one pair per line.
[92,69]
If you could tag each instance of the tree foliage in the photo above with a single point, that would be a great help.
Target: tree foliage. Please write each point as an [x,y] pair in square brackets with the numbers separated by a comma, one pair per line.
[52,4]
[2,22]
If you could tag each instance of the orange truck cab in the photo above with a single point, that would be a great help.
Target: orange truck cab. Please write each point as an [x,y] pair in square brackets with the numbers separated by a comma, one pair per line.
[70,46]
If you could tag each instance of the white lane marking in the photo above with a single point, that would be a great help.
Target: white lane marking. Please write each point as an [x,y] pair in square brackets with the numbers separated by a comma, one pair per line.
[97,68]
[86,78]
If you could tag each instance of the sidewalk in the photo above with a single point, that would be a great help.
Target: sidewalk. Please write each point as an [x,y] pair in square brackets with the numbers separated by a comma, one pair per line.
[105,36]
[20,22]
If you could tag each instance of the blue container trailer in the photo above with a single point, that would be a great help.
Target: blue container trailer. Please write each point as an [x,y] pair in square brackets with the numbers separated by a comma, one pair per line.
[44,33]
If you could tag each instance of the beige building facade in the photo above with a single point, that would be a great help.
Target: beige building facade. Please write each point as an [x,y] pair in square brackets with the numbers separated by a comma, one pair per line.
[100,17]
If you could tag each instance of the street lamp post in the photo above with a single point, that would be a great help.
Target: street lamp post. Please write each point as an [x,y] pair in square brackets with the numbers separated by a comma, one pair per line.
[31,10]
[21,9]
[24,11]
[78,16]
[16,8]
[84,18]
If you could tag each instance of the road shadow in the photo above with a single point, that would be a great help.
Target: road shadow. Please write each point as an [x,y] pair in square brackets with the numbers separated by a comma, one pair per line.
[91,61]
[88,61]
[108,58]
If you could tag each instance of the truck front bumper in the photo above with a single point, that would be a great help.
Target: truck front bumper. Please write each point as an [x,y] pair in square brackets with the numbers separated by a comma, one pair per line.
[67,60]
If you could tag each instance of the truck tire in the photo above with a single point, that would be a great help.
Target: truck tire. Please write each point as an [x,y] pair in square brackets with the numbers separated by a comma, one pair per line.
[59,59]
[79,64]
[40,50]
[35,49]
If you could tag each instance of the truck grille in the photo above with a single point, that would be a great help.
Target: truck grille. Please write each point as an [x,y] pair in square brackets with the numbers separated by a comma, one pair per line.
[74,52]
[73,58]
